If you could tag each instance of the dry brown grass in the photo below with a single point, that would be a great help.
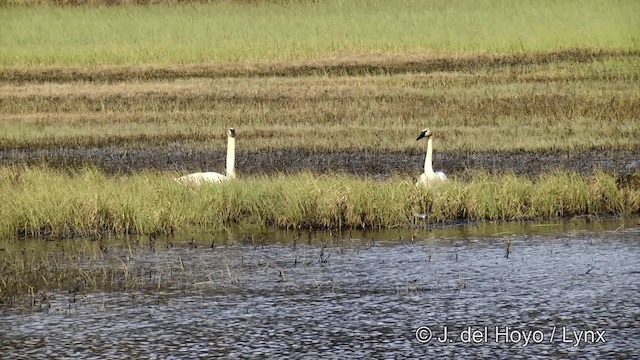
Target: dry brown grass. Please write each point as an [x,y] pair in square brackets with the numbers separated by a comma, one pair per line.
[345,65]
[502,105]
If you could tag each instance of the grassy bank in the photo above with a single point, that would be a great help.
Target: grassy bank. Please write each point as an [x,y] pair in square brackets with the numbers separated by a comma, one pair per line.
[42,202]
[239,31]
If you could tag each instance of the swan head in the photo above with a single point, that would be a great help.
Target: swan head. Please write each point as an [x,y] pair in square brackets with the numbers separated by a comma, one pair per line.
[426,133]
[232,132]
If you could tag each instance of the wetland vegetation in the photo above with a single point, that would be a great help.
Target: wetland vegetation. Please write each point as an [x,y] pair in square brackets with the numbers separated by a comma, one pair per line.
[342,81]
[43,202]
[304,83]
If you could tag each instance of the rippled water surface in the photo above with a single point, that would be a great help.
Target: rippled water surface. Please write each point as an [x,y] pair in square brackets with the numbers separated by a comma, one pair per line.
[553,291]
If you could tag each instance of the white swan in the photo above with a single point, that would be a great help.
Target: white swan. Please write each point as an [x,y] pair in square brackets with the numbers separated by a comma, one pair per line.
[214,177]
[429,176]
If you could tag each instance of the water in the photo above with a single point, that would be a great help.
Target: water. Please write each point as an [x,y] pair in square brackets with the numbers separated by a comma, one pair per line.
[358,296]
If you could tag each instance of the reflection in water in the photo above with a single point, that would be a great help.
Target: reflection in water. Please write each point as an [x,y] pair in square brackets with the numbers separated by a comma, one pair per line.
[363,296]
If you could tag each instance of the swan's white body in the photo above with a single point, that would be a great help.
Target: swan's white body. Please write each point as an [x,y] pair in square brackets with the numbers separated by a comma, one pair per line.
[429,177]
[214,177]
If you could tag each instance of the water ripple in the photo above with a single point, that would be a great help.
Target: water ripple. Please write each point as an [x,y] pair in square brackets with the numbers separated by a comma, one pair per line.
[361,300]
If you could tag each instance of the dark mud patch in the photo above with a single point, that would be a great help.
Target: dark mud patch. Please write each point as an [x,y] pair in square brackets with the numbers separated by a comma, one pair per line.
[361,163]
[347,66]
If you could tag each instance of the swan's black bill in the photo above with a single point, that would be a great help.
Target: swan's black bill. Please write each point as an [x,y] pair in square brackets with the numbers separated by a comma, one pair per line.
[423,134]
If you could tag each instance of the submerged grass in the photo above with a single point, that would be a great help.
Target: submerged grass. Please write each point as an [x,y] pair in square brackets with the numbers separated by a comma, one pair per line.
[56,276]
[50,203]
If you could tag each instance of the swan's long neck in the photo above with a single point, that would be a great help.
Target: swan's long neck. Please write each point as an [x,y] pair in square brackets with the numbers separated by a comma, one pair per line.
[231,157]
[428,162]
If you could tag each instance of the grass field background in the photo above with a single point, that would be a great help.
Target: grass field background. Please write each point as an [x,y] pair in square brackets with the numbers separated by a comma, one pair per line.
[539,105]
[226,31]
[485,75]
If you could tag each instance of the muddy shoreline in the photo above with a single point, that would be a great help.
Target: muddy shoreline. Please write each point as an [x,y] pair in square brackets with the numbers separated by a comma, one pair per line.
[362,163]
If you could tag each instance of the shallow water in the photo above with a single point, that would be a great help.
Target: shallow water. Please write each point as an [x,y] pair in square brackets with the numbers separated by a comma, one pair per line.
[356,295]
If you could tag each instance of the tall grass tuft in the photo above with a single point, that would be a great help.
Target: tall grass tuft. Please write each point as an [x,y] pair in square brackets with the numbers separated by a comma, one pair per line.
[52,203]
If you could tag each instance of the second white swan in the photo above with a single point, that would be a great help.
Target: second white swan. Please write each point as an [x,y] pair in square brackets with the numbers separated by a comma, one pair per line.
[214,177]
[429,177]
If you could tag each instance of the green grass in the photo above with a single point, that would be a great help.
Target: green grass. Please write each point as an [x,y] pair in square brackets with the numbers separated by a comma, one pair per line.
[44,202]
[238,32]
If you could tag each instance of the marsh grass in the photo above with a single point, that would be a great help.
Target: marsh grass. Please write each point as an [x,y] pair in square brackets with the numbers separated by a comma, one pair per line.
[543,105]
[241,31]
[42,202]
